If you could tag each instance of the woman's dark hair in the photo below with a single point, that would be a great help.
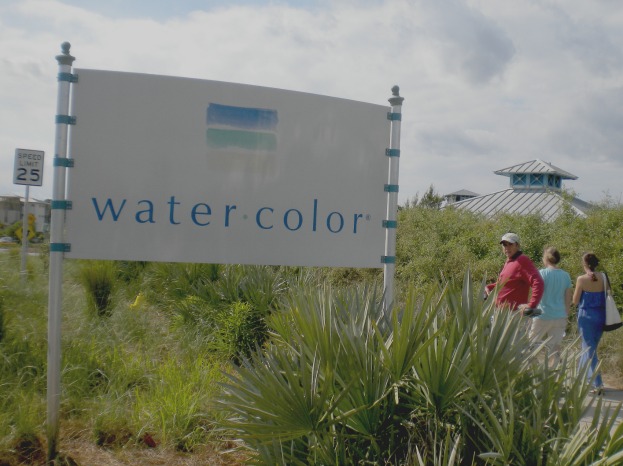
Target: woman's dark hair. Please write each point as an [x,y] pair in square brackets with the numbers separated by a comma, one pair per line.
[551,255]
[591,261]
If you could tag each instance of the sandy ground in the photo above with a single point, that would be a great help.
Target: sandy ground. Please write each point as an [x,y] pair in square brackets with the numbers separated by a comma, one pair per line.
[88,454]
[612,398]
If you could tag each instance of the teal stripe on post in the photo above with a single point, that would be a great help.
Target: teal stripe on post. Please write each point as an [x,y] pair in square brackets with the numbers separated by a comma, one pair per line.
[63,162]
[71,78]
[60,247]
[390,223]
[391,188]
[61,205]
[393,116]
[388,259]
[66,119]
[392,152]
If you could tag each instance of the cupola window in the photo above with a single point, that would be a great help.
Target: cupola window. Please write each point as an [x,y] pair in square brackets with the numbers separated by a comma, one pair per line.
[553,181]
[536,180]
[520,179]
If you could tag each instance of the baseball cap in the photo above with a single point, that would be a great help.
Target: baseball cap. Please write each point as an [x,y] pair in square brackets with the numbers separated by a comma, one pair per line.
[510,238]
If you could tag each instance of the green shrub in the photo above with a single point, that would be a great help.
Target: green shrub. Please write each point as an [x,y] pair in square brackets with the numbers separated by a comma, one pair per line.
[241,330]
[15,255]
[228,287]
[223,313]
[43,251]
[347,382]
[98,279]
[175,404]
[229,330]
[261,287]
[433,245]
[338,380]
[169,282]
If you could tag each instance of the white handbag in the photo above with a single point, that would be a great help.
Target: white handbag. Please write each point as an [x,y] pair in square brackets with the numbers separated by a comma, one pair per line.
[613,318]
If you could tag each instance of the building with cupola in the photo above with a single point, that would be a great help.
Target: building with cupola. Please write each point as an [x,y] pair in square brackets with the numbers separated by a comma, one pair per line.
[536,187]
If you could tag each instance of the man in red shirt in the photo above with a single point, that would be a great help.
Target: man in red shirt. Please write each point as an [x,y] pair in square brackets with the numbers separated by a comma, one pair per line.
[521,283]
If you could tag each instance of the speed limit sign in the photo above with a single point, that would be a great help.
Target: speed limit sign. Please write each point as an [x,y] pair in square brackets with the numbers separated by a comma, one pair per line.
[28,167]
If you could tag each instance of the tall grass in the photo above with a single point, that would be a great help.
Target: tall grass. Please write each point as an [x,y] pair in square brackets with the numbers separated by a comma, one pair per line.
[22,356]
[1,315]
[123,377]
[319,374]
[174,404]
[146,374]
[98,279]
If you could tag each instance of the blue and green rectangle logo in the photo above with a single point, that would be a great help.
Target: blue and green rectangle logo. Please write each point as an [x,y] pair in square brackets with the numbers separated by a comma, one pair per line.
[247,128]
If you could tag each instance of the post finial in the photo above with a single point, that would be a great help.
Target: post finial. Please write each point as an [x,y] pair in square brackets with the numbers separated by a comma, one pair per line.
[395,99]
[65,58]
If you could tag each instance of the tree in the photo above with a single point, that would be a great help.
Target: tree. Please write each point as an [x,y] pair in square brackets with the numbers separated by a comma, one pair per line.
[431,199]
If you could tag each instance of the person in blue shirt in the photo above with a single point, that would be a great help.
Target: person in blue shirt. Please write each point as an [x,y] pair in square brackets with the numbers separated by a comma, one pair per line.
[551,324]
[590,298]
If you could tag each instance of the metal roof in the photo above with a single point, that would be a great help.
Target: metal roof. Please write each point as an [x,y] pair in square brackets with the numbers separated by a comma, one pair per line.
[536,166]
[549,204]
[463,192]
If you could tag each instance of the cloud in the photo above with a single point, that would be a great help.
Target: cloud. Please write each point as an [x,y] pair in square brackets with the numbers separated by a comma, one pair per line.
[595,47]
[447,142]
[593,128]
[487,83]
[470,44]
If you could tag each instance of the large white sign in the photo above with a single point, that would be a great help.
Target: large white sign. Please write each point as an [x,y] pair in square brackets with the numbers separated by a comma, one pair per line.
[184,170]
[28,168]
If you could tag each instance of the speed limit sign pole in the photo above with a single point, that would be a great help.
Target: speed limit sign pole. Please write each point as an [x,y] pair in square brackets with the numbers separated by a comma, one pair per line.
[29,172]
[23,270]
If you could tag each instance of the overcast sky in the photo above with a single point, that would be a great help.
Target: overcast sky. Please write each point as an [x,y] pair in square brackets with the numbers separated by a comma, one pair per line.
[487,83]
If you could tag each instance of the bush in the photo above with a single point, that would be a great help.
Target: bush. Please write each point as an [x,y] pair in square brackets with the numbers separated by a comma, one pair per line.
[175,402]
[170,282]
[229,330]
[98,279]
[436,245]
[223,310]
[444,376]
[338,379]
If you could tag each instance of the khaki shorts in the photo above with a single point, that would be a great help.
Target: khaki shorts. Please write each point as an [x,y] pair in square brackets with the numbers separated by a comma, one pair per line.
[555,329]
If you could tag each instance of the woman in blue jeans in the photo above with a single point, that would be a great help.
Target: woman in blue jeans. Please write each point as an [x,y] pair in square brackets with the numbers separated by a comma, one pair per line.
[589,297]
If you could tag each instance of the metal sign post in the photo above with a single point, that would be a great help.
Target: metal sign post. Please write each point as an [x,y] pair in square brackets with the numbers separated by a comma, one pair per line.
[65,78]
[23,271]
[391,188]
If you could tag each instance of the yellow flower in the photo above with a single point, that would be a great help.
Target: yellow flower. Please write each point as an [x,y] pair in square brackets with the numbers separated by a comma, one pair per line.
[138,302]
